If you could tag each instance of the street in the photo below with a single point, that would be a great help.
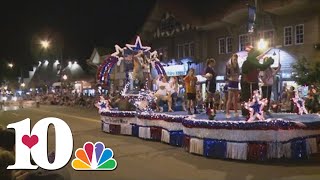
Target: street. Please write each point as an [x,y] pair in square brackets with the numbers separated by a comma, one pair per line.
[140,159]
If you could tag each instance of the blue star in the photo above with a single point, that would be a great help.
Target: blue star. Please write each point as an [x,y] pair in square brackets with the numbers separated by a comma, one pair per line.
[138,46]
[256,108]
[103,105]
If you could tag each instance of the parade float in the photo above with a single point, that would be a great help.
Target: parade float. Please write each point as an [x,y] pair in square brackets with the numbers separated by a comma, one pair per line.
[262,137]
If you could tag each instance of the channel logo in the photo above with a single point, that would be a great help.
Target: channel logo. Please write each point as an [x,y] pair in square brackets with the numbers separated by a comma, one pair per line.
[94,157]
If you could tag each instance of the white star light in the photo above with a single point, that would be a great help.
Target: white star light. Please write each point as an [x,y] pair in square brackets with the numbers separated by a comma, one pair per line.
[119,54]
[138,46]
[154,55]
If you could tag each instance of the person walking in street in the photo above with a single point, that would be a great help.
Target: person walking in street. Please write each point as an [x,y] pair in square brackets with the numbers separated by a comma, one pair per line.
[38,99]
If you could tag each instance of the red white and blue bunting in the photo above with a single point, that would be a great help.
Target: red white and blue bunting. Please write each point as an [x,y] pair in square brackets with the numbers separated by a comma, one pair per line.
[255,141]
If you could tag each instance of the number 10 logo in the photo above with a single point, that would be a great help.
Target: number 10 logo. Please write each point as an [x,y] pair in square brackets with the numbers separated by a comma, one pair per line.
[35,142]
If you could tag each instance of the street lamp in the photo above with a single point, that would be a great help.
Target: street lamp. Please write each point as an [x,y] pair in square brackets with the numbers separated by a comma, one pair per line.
[23,85]
[262,44]
[45,44]
[10,65]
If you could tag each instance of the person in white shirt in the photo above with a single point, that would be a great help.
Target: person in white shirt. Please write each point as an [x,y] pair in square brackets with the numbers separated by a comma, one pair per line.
[267,79]
[163,93]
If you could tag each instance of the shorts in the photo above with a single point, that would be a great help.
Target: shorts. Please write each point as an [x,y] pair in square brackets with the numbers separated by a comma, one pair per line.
[191,96]
[233,85]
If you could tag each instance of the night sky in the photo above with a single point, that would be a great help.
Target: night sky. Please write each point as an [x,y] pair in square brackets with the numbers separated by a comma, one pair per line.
[75,27]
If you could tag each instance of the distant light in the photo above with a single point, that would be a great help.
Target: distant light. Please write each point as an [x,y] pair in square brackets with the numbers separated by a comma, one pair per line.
[53,91]
[47,62]
[39,62]
[6,87]
[31,89]
[45,44]
[10,65]
[14,98]
[23,85]
[75,62]
[57,62]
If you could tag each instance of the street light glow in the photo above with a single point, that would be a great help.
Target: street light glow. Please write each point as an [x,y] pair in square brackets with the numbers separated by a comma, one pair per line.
[10,65]
[45,44]
[262,44]
[23,84]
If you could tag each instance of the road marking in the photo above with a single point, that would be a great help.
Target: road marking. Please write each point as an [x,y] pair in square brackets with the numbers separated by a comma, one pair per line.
[72,116]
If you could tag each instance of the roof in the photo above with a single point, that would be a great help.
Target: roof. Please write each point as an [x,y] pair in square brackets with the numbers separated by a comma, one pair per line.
[209,14]
[102,51]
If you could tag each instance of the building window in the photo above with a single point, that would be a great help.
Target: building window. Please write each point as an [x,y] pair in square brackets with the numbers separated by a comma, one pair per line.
[243,42]
[164,52]
[192,49]
[299,33]
[180,51]
[222,46]
[269,37]
[229,45]
[185,50]
[287,36]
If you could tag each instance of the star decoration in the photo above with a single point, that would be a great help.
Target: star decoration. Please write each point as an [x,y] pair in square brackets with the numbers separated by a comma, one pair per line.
[154,55]
[103,105]
[138,46]
[119,51]
[300,103]
[119,54]
[255,106]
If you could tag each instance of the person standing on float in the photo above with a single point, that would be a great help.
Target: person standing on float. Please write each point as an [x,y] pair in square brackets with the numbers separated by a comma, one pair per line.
[232,74]
[211,84]
[250,69]
[137,73]
[267,78]
[191,82]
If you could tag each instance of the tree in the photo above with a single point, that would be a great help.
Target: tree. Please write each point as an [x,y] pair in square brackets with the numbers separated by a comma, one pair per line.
[306,72]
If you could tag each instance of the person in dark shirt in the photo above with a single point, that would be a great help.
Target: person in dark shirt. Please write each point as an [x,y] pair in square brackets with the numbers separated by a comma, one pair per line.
[211,75]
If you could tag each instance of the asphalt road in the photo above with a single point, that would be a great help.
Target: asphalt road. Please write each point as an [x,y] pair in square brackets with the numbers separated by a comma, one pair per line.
[139,159]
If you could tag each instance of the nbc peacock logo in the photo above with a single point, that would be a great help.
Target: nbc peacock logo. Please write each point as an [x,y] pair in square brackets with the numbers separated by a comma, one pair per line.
[94,157]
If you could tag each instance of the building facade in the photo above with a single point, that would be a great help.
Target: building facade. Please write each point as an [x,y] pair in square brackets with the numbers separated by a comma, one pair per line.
[291,28]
